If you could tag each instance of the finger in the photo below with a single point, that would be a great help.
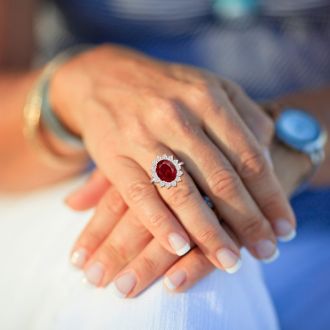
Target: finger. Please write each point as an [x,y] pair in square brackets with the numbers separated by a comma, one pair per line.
[193,267]
[189,270]
[244,152]
[234,204]
[154,261]
[134,185]
[89,194]
[139,194]
[108,212]
[149,265]
[196,216]
[142,197]
[127,239]
[217,178]
[260,124]
[124,243]
[263,128]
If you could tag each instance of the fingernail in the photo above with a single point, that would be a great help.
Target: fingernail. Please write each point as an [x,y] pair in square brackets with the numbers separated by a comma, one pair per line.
[178,244]
[284,230]
[229,260]
[267,251]
[94,273]
[268,157]
[124,284]
[79,257]
[174,280]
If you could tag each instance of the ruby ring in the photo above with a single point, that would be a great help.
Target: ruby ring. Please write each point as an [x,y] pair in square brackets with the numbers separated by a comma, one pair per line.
[166,171]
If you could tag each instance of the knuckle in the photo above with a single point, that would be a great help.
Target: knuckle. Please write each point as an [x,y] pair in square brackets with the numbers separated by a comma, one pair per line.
[139,132]
[251,227]
[212,108]
[139,191]
[207,235]
[108,252]
[150,266]
[270,201]
[119,248]
[158,220]
[200,89]
[253,165]
[168,110]
[181,196]
[188,130]
[223,183]
[200,93]
[91,237]
[167,114]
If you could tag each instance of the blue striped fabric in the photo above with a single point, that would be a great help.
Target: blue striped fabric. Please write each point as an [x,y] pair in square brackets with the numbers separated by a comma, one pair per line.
[285,48]
[171,17]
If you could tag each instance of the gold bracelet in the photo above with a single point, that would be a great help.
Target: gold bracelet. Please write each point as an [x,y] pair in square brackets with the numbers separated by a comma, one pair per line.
[32,120]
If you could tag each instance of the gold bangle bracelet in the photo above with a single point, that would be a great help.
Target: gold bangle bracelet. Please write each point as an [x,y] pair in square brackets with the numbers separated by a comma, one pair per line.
[32,121]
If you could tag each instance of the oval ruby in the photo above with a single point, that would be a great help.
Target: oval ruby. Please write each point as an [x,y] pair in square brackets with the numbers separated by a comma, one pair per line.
[166,170]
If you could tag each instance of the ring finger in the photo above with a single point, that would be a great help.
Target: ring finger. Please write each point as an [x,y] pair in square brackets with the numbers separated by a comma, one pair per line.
[195,215]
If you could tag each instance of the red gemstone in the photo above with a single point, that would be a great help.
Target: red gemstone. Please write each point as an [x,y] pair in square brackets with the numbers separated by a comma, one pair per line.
[166,170]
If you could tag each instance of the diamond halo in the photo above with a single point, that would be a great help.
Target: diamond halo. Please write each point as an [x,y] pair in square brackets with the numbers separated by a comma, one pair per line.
[174,162]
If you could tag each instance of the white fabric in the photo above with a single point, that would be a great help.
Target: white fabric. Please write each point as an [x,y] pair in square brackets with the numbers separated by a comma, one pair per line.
[39,289]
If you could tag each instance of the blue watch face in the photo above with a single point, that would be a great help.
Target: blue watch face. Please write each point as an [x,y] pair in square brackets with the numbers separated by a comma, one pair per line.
[297,128]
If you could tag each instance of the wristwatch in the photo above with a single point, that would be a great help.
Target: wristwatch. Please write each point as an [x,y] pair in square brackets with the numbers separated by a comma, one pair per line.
[303,133]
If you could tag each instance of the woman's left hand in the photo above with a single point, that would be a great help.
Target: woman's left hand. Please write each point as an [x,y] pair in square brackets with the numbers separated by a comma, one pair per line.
[135,258]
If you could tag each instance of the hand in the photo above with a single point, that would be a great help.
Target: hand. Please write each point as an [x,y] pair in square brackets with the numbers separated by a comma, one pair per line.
[116,244]
[126,247]
[130,108]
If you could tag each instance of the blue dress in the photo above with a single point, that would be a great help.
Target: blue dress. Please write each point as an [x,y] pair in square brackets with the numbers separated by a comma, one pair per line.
[270,48]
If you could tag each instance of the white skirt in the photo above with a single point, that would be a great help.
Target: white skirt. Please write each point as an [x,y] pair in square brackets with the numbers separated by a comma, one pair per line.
[39,290]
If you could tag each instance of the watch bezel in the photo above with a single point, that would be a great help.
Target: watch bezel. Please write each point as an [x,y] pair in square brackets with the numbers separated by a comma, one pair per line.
[310,147]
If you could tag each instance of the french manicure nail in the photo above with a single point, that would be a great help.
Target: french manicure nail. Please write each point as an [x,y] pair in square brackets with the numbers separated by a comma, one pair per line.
[124,284]
[229,260]
[79,257]
[174,280]
[94,273]
[267,251]
[284,230]
[178,244]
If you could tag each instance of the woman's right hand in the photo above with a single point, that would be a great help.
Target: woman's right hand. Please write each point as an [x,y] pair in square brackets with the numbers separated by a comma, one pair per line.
[130,108]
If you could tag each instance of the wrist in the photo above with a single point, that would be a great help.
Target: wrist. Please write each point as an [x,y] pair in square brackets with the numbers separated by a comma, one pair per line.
[291,167]
[69,87]
[61,98]
[45,129]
